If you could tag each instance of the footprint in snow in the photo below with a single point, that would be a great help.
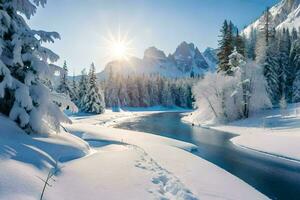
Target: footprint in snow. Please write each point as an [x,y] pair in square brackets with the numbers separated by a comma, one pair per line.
[169,186]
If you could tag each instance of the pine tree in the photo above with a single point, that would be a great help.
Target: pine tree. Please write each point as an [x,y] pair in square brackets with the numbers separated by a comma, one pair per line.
[133,92]
[265,33]
[25,71]
[294,63]
[83,88]
[123,92]
[267,56]
[240,43]
[226,44]
[166,96]
[112,90]
[284,69]
[250,44]
[144,97]
[235,60]
[74,88]
[271,70]
[294,35]
[153,91]
[93,101]
[244,84]
[63,86]
[296,88]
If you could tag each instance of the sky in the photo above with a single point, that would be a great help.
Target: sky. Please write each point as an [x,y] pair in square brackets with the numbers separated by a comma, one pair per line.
[85,25]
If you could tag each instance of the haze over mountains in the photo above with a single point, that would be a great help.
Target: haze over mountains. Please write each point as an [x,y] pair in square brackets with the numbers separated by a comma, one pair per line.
[187,60]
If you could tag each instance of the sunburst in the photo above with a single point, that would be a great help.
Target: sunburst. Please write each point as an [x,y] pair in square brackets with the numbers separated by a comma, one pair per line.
[118,46]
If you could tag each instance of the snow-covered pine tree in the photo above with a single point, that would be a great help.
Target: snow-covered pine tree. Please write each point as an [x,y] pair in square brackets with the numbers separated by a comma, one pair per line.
[83,88]
[250,45]
[25,70]
[112,90]
[93,101]
[296,88]
[267,56]
[265,32]
[144,97]
[225,46]
[284,68]
[166,96]
[64,86]
[74,88]
[240,43]
[294,64]
[133,92]
[294,35]
[182,91]
[123,92]
[271,68]
[236,60]
[153,90]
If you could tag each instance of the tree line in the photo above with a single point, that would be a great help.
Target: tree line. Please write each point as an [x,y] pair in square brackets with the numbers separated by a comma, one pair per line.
[276,51]
[147,90]
[255,71]
[92,96]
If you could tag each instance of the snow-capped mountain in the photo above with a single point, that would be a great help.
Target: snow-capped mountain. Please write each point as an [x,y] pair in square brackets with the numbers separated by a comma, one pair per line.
[186,59]
[211,57]
[286,14]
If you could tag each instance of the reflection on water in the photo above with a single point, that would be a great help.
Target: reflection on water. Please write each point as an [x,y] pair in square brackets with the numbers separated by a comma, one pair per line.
[276,178]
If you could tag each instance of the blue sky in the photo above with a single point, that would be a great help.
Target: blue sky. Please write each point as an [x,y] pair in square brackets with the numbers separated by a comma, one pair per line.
[162,23]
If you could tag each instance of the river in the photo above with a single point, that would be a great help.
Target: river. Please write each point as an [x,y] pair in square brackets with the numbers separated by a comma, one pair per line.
[275,177]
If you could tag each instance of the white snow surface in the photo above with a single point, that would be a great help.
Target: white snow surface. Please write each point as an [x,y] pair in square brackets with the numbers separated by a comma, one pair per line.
[285,15]
[25,159]
[100,162]
[275,132]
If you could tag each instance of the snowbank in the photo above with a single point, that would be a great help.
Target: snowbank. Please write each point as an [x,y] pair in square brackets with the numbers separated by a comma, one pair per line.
[24,159]
[102,162]
[273,132]
[172,172]
[110,118]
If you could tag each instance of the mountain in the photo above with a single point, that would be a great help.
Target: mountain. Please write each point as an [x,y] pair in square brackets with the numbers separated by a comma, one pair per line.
[286,14]
[211,57]
[186,60]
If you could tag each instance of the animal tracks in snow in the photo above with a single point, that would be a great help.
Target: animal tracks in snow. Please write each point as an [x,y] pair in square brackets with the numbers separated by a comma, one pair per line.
[169,186]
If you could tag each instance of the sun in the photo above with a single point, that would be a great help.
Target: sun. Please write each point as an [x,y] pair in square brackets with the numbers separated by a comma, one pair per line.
[119,50]
[118,46]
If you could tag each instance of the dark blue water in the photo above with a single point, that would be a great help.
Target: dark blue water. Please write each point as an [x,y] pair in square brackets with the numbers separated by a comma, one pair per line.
[277,178]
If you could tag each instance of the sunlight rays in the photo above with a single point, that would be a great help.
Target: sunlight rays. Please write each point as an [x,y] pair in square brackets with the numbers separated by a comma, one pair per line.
[118,46]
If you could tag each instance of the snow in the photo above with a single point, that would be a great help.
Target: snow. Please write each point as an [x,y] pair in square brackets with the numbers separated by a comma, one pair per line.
[274,132]
[110,118]
[285,15]
[24,159]
[99,161]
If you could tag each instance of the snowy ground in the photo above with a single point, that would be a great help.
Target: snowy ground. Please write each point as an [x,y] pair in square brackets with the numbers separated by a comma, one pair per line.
[128,113]
[97,161]
[274,132]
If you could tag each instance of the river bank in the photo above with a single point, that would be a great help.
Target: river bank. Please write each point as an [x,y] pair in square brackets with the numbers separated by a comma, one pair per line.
[116,164]
[275,132]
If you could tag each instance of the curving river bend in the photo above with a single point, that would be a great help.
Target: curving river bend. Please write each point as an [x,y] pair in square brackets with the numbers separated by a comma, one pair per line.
[277,178]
